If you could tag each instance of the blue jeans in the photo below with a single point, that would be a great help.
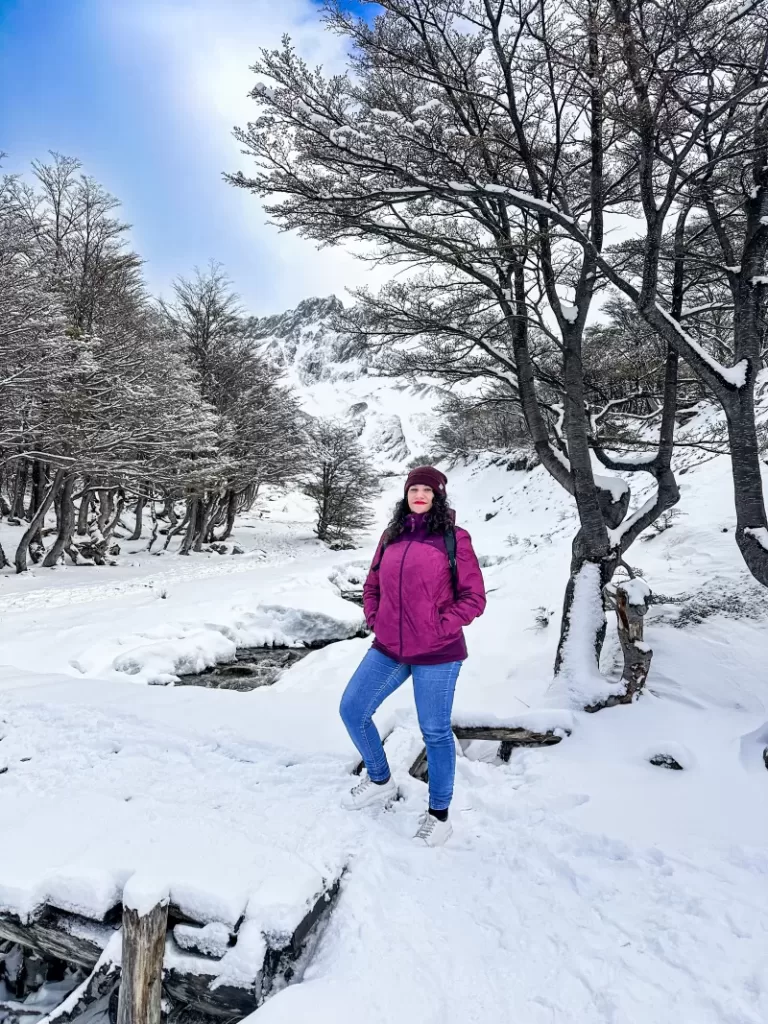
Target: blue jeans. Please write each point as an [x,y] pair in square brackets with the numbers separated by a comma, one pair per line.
[378,676]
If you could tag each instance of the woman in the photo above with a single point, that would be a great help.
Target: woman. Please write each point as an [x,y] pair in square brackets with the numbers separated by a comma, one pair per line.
[416,602]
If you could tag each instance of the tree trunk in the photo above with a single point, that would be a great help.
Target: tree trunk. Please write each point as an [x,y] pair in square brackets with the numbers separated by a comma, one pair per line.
[749,499]
[20,559]
[207,512]
[142,965]
[20,489]
[192,521]
[105,508]
[583,625]
[178,524]
[85,507]
[170,511]
[231,513]
[3,560]
[138,513]
[631,608]
[38,487]
[155,524]
[117,511]
[66,523]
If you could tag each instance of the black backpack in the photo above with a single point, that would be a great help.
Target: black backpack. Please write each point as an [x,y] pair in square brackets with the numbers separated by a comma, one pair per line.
[450,548]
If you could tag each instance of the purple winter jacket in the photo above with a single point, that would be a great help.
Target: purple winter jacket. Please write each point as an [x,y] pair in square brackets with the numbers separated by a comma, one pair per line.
[408,600]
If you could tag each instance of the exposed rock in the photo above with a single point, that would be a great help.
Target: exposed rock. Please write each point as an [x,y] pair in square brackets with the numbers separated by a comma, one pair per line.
[666,761]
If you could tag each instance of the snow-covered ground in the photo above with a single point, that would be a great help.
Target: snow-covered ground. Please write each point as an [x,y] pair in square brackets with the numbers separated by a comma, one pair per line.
[583,884]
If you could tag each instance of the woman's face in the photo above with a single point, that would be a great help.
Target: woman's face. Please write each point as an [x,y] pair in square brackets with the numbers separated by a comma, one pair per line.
[420,498]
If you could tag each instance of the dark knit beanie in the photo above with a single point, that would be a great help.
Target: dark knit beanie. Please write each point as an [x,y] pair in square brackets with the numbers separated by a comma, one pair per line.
[428,476]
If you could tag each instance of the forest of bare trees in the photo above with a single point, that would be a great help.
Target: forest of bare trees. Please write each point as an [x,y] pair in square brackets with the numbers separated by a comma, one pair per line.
[526,163]
[115,409]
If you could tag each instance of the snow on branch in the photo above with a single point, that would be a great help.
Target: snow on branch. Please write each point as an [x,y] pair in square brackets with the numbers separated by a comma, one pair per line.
[616,536]
[760,534]
[734,376]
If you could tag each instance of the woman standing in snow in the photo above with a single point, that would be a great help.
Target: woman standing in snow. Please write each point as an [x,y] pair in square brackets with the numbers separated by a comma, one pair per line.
[423,586]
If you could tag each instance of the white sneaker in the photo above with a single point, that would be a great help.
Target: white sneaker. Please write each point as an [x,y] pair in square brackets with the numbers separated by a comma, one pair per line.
[369,794]
[432,831]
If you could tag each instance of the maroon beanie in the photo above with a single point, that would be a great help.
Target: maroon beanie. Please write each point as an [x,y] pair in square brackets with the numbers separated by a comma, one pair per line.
[428,476]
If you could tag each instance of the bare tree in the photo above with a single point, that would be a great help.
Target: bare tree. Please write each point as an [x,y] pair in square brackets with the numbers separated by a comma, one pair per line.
[340,482]
[205,314]
[446,95]
[681,93]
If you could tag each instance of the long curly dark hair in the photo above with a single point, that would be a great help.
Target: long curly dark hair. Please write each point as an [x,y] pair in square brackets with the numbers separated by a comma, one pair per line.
[439,518]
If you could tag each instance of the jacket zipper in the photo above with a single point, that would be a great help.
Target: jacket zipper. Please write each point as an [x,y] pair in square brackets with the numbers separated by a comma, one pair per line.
[402,563]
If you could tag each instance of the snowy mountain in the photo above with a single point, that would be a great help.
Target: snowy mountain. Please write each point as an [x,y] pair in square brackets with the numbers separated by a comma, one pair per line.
[335,379]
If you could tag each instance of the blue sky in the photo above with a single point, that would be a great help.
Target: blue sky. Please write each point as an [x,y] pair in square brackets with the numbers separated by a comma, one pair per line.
[145,93]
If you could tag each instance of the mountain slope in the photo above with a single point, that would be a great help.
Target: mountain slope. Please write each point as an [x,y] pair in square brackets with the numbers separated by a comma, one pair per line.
[333,378]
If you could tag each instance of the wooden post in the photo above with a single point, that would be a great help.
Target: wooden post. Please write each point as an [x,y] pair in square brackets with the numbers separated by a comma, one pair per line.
[142,964]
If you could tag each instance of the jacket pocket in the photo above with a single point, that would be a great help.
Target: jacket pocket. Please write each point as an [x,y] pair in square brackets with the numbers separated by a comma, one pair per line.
[443,629]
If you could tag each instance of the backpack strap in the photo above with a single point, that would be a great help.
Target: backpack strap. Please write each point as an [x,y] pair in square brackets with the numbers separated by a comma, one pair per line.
[384,544]
[450,548]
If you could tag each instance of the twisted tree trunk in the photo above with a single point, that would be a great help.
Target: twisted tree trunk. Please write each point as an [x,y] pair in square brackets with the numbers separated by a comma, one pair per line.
[20,559]
[138,514]
[39,476]
[66,523]
[85,507]
[231,513]
[193,516]
[177,524]
[105,507]
[207,513]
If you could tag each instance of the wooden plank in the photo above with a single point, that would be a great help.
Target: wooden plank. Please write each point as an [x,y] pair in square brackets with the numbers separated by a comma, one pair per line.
[518,737]
[141,984]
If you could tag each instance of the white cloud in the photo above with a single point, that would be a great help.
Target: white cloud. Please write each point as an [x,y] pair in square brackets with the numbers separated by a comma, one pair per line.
[206,48]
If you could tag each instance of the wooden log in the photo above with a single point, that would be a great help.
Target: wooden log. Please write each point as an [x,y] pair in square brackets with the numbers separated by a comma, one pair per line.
[142,964]
[99,984]
[518,737]
[228,1002]
[225,1002]
[419,767]
[81,942]
[10,1012]
[508,738]
[51,934]
[630,600]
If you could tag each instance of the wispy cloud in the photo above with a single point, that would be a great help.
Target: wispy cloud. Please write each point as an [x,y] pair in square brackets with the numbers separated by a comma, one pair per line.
[200,52]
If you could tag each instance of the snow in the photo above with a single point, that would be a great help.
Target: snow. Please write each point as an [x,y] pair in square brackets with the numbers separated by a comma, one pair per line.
[616,536]
[614,484]
[582,884]
[212,939]
[637,591]
[143,892]
[541,720]
[760,534]
[579,677]
[570,313]
[735,375]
